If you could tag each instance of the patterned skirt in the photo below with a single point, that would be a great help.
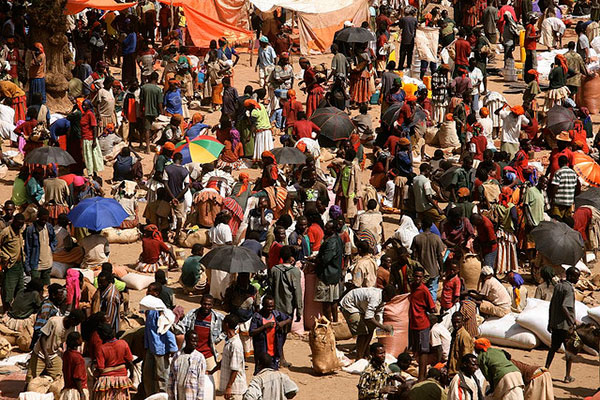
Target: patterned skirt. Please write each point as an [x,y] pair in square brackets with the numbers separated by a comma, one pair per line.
[18,325]
[56,209]
[359,88]
[507,253]
[163,261]
[19,104]
[555,97]
[112,388]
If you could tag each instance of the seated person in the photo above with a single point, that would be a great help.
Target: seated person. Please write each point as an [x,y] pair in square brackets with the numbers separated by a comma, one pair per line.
[66,250]
[493,299]
[24,308]
[158,212]
[155,252]
[193,274]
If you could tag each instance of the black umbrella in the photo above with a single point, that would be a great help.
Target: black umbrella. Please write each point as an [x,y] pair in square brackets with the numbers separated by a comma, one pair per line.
[355,35]
[289,155]
[233,259]
[590,197]
[49,155]
[560,119]
[391,114]
[558,242]
[334,123]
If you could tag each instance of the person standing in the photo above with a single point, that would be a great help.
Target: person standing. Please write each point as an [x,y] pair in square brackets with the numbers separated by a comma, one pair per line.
[266,61]
[263,137]
[421,303]
[40,243]
[428,249]
[531,38]
[561,320]
[268,328]
[460,345]
[159,347]
[92,155]
[408,24]
[177,182]
[329,271]
[151,102]
[285,281]
[233,367]
[74,371]
[425,204]
[108,300]
[563,188]
[188,367]
[512,120]
[440,93]
[576,64]
[129,46]
[12,258]
[113,361]
[37,72]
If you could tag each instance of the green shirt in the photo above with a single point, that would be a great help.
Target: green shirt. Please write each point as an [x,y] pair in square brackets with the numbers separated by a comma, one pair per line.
[120,285]
[557,78]
[19,193]
[494,365]
[261,118]
[190,272]
[429,389]
[535,199]
[151,97]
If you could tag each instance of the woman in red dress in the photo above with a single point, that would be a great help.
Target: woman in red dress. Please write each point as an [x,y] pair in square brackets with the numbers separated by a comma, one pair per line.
[314,90]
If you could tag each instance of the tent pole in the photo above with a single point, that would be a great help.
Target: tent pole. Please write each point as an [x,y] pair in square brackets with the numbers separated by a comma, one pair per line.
[172,19]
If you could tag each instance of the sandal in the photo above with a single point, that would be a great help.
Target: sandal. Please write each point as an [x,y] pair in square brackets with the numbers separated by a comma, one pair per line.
[569,379]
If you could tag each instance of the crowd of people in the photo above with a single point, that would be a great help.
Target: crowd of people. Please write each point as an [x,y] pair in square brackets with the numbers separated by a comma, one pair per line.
[135,79]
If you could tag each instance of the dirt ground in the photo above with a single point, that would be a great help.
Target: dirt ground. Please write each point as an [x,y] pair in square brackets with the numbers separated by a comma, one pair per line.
[341,385]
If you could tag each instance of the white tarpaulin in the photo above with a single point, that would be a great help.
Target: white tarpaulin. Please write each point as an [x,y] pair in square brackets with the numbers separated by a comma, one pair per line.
[306,6]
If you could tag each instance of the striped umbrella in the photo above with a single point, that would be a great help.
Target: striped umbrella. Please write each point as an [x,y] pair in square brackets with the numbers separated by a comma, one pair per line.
[202,149]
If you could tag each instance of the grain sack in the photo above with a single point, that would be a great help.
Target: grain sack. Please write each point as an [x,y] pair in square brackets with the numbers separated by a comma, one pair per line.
[395,313]
[138,281]
[197,237]
[56,387]
[322,347]
[122,236]
[447,136]
[311,308]
[341,330]
[470,270]
[506,332]
[39,384]
[24,342]
[431,136]
[588,94]
[35,396]
[535,318]
[594,314]
[59,270]
[5,347]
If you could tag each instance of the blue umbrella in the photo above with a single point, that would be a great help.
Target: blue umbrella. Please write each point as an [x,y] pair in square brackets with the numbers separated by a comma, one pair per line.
[97,213]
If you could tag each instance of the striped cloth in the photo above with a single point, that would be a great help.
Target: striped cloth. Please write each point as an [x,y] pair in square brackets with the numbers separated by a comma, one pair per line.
[507,252]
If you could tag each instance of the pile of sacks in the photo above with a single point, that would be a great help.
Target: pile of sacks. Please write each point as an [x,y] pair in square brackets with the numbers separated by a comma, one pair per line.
[526,330]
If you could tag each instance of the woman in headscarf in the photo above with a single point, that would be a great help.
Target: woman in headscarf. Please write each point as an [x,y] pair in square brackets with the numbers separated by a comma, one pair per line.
[37,71]
[532,90]
[196,127]
[92,154]
[241,190]
[360,76]
[506,260]
[518,293]
[232,154]
[217,69]
[270,172]
[263,138]
[74,145]
[558,90]
[155,252]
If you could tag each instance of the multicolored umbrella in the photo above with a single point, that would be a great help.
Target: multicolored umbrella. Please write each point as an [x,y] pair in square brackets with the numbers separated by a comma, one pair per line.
[587,168]
[202,149]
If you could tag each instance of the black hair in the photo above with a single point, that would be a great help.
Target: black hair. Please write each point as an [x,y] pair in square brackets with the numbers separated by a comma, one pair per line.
[286,253]
[72,340]
[232,321]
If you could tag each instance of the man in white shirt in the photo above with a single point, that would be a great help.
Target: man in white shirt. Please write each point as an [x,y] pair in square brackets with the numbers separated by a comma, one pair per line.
[476,77]
[270,384]
[233,367]
[493,299]
[363,310]
[512,120]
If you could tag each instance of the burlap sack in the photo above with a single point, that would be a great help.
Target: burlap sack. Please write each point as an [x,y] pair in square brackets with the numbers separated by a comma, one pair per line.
[122,236]
[24,342]
[5,347]
[322,346]
[341,330]
[470,269]
[447,136]
[198,237]
[588,94]
[56,387]
[395,313]
[40,384]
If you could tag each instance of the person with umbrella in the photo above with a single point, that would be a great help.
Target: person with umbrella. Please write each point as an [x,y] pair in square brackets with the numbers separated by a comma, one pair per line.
[563,188]
[561,320]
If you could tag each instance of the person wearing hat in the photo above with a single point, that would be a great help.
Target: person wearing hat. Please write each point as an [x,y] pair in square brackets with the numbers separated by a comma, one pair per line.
[492,298]
[563,142]
[266,61]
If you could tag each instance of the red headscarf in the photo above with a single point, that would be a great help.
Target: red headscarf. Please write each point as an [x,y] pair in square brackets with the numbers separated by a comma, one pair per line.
[245,179]
[562,61]
[506,196]
[482,344]
[155,233]
[39,46]
[535,74]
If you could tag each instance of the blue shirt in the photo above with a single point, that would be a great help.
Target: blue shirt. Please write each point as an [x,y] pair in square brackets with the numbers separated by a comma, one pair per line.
[59,128]
[195,130]
[228,52]
[172,102]
[32,245]
[266,56]
[157,344]
[130,44]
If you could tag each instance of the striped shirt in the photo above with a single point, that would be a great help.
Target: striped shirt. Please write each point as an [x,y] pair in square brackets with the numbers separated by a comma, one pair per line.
[566,180]
[48,310]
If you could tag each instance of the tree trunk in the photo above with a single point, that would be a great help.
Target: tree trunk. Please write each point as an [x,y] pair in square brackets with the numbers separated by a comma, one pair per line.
[48,26]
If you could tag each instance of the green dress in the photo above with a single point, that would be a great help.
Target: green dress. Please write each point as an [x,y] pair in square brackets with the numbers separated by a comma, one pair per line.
[244,126]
